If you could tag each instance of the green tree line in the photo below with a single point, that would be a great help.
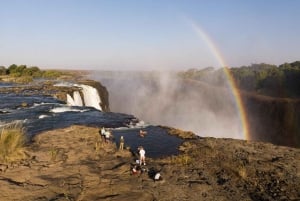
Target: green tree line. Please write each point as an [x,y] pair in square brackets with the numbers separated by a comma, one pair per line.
[24,71]
[266,79]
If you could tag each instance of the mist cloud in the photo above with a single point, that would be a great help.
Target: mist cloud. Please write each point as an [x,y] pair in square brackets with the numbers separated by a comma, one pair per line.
[162,98]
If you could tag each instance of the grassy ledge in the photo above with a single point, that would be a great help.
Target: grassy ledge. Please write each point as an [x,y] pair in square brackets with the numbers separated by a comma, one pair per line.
[12,144]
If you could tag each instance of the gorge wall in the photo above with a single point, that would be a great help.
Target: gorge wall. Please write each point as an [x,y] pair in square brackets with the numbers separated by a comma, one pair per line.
[275,120]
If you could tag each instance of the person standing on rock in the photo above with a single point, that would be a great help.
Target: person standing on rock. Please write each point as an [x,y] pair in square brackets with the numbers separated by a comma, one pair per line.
[102,132]
[107,136]
[142,153]
[121,143]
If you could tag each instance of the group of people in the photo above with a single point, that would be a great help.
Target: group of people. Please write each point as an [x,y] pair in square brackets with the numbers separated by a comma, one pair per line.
[140,165]
[106,134]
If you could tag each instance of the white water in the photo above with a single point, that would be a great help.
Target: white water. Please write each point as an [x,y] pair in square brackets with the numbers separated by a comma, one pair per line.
[77,98]
[43,116]
[63,84]
[70,101]
[38,104]
[91,96]
[139,125]
[65,109]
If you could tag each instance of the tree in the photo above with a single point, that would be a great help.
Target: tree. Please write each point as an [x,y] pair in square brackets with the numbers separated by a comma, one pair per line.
[51,74]
[3,70]
[12,69]
[32,71]
[20,69]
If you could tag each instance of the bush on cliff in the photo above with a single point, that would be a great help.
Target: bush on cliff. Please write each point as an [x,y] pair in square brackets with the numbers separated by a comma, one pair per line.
[12,144]
[17,71]
[52,74]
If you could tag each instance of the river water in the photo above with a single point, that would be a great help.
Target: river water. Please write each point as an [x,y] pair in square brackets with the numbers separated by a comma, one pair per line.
[42,113]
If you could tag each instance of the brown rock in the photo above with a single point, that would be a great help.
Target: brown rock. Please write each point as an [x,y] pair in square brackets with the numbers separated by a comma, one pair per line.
[73,164]
[24,104]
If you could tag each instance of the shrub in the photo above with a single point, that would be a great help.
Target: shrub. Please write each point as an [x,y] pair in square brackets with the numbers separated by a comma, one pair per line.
[24,79]
[2,70]
[51,74]
[12,144]
[181,160]
[32,71]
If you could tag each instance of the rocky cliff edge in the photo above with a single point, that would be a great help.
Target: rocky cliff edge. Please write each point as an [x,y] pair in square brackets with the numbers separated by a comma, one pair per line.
[75,164]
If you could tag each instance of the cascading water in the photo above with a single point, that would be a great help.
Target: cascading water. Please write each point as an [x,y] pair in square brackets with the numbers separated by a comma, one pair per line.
[70,101]
[91,96]
[47,113]
[77,98]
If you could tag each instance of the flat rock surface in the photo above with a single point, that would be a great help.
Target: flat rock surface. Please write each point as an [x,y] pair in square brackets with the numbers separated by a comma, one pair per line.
[75,164]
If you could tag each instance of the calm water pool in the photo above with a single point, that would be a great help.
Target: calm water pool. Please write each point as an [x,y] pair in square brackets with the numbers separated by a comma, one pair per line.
[157,143]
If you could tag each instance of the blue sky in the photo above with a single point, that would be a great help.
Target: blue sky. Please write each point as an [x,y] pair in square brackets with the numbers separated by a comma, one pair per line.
[147,35]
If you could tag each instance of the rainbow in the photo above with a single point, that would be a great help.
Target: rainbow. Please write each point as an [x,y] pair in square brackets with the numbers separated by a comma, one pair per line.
[216,53]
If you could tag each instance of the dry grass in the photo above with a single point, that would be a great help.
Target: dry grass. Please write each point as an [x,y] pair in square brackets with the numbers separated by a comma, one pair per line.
[242,172]
[182,160]
[12,144]
[180,133]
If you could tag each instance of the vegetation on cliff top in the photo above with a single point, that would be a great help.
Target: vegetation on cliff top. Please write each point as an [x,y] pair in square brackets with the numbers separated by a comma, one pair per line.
[24,74]
[265,79]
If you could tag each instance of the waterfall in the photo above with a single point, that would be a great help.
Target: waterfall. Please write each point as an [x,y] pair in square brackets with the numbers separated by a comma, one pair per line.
[90,96]
[77,98]
[70,100]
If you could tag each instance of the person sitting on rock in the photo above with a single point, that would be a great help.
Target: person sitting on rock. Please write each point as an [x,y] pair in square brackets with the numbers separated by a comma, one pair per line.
[157,177]
[135,170]
[154,174]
